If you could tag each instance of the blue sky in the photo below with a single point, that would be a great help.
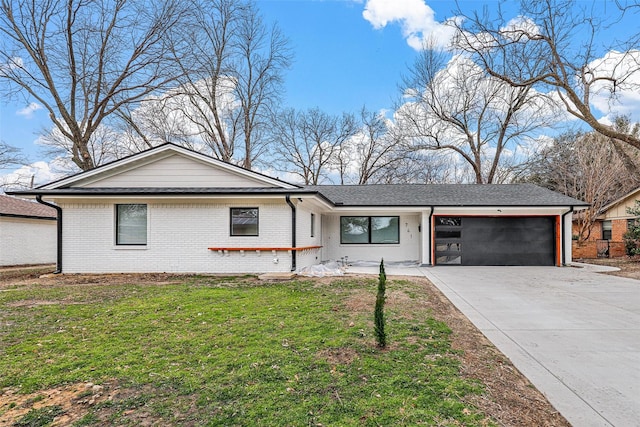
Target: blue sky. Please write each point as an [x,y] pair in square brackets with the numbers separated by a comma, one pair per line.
[343,61]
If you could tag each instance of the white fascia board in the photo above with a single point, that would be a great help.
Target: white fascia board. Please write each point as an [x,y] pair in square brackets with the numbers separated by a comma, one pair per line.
[200,197]
[502,210]
[379,209]
[155,154]
[313,200]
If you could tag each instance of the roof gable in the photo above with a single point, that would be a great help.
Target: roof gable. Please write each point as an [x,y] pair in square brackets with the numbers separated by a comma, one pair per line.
[635,194]
[168,165]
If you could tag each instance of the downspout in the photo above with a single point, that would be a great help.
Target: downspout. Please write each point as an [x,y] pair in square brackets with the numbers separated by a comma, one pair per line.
[430,236]
[59,224]
[562,233]
[293,231]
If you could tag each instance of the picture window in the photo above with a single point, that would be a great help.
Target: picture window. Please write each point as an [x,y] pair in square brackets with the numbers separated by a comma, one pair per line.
[369,230]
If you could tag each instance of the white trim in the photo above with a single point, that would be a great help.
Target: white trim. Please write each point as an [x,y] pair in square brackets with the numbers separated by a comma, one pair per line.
[102,171]
[500,211]
[379,209]
[141,196]
[129,248]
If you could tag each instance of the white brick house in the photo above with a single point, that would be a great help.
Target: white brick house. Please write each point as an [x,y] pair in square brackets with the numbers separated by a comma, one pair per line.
[27,232]
[170,209]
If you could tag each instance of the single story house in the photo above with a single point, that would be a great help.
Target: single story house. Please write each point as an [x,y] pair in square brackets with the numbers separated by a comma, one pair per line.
[170,209]
[27,232]
[606,237]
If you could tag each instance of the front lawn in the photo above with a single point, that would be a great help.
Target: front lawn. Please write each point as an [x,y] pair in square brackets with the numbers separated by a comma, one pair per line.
[230,351]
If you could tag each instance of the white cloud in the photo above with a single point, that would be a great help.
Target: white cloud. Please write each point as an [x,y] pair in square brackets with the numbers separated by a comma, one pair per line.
[416,19]
[27,112]
[623,97]
[10,65]
[520,27]
[39,173]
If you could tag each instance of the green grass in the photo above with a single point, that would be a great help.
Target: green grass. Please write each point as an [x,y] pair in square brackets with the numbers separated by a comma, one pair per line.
[39,417]
[232,351]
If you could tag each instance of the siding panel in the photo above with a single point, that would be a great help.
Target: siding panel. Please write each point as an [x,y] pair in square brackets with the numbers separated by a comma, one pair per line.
[177,171]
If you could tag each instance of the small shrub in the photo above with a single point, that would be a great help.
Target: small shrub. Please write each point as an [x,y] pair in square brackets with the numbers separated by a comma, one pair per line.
[632,236]
[381,336]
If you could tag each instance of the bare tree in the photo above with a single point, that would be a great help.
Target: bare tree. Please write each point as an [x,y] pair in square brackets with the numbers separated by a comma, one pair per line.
[159,119]
[587,167]
[552,44]
[423,167]
[232,70]
[264,54]
[104,145]
[84,60]
[370,153]
[305,143]
[455,106]
[10,156]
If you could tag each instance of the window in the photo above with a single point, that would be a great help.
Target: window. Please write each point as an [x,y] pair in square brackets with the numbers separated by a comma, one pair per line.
[448,240]
[448,234]
[313,225]
[453,221]
[369,229]
[244,221]
[606,230]
[131,224]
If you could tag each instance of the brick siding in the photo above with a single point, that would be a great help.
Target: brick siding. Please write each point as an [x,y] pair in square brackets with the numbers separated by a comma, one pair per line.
[178,238]
[588,249]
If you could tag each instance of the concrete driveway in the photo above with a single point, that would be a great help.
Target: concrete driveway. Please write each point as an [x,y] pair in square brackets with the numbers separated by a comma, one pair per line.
[573,332]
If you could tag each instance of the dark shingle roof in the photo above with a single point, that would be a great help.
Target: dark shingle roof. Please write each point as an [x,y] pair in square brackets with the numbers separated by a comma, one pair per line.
[178,191]
[444,195]
[422,195]
[11,206]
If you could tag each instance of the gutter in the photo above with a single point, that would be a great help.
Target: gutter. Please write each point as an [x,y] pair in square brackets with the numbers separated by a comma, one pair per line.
[45,218]
[287,197]
[562,233]
[59,237]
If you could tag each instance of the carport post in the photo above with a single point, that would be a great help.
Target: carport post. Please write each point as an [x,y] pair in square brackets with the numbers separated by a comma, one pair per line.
[563,235]
[426,238]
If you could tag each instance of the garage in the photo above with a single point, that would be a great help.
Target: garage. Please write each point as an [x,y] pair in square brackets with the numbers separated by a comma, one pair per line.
[472,240]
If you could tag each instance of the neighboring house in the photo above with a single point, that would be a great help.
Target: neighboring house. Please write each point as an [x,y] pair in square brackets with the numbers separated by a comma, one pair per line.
[169,209]
[27,232]
[606,234]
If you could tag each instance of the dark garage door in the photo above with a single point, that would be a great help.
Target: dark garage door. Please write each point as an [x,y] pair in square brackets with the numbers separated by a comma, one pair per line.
[495,240]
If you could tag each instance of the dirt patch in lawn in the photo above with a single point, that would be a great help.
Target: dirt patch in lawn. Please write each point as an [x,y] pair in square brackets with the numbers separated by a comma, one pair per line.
[629,267]
[339,356]
[15,280]
[509,397]
[73,402]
